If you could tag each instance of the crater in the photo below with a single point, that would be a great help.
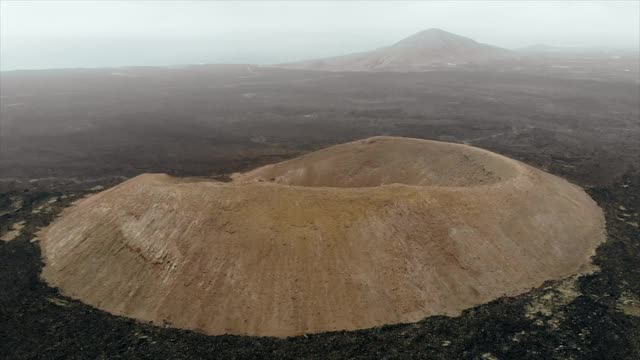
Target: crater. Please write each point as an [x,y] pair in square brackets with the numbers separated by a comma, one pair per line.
[378,231]
[382,161]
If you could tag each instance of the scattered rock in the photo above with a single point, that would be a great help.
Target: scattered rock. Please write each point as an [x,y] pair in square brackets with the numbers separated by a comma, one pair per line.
[629,304]
[14,232]
[545,308]
[489,356]
[58,301]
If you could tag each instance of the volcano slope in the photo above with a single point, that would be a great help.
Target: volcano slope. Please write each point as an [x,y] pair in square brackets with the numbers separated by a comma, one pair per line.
[419,52]
[377,231]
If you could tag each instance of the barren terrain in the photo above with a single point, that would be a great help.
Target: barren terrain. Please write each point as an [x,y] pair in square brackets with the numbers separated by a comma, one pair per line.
[67,133]
[206,120]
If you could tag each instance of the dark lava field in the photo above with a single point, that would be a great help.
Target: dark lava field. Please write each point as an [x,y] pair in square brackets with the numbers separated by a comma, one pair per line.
[67,133]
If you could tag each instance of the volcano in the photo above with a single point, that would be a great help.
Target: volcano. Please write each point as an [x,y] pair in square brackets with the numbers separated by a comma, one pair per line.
[377,231]
[419,52]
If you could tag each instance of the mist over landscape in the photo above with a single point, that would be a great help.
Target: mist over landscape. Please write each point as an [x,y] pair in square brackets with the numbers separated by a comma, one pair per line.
[320,180]
[69,34]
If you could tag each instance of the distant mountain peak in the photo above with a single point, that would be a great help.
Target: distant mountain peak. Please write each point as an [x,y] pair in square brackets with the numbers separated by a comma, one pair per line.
[433,39]
[419,52]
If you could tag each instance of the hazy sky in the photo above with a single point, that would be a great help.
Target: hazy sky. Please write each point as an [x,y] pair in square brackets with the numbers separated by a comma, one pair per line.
[41,34]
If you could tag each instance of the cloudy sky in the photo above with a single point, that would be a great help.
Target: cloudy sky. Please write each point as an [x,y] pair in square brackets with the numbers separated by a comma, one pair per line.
[43,34]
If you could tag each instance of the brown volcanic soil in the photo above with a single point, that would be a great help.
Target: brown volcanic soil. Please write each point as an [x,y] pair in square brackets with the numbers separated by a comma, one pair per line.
[378,231]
